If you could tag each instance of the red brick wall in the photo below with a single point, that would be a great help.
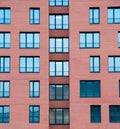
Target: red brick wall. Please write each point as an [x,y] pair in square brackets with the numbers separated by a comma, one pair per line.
[79,64]
[19,100]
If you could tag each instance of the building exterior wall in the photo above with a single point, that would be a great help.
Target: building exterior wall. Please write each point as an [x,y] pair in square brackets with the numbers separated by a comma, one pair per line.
[78,58]
[19,100]
[79,68]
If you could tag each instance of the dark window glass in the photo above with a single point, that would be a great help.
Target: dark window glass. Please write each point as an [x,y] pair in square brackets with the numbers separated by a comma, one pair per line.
[58,2]
[4,40]
[4,15]
[4,89]
[94,15]
[114,15]
[34,89]
[89,40]
[4,114]
[114,113]
[29,40]
[4,64]
[114,64]
[34,114]
[34,16]
[59,68]
[95,113]
[94,64]
[59,116]
[59,45]
[30,64]
[59,92]
[90,89]
[59,22]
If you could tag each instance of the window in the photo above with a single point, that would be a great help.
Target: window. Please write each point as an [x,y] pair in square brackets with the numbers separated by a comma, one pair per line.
[59,68]
[114,64]
[114,113]
[59,116]
[94,64]
[4,89]
[4,114]
[95,113]
[59,2]
[59,45]
[34,89]
[59,22]
[59,92]
[30,64]
[4,15]
[90,40]
[90,89]
[29,40]
[34,114]
[4,40]
[114,15]
[119,39]
[94,15]
[4,64]
[34,16]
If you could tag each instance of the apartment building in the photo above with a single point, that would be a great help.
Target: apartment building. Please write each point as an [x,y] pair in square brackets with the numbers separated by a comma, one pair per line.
[59,64]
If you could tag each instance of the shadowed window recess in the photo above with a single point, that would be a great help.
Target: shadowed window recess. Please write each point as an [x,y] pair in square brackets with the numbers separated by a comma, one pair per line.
[59,92]
[59,116]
